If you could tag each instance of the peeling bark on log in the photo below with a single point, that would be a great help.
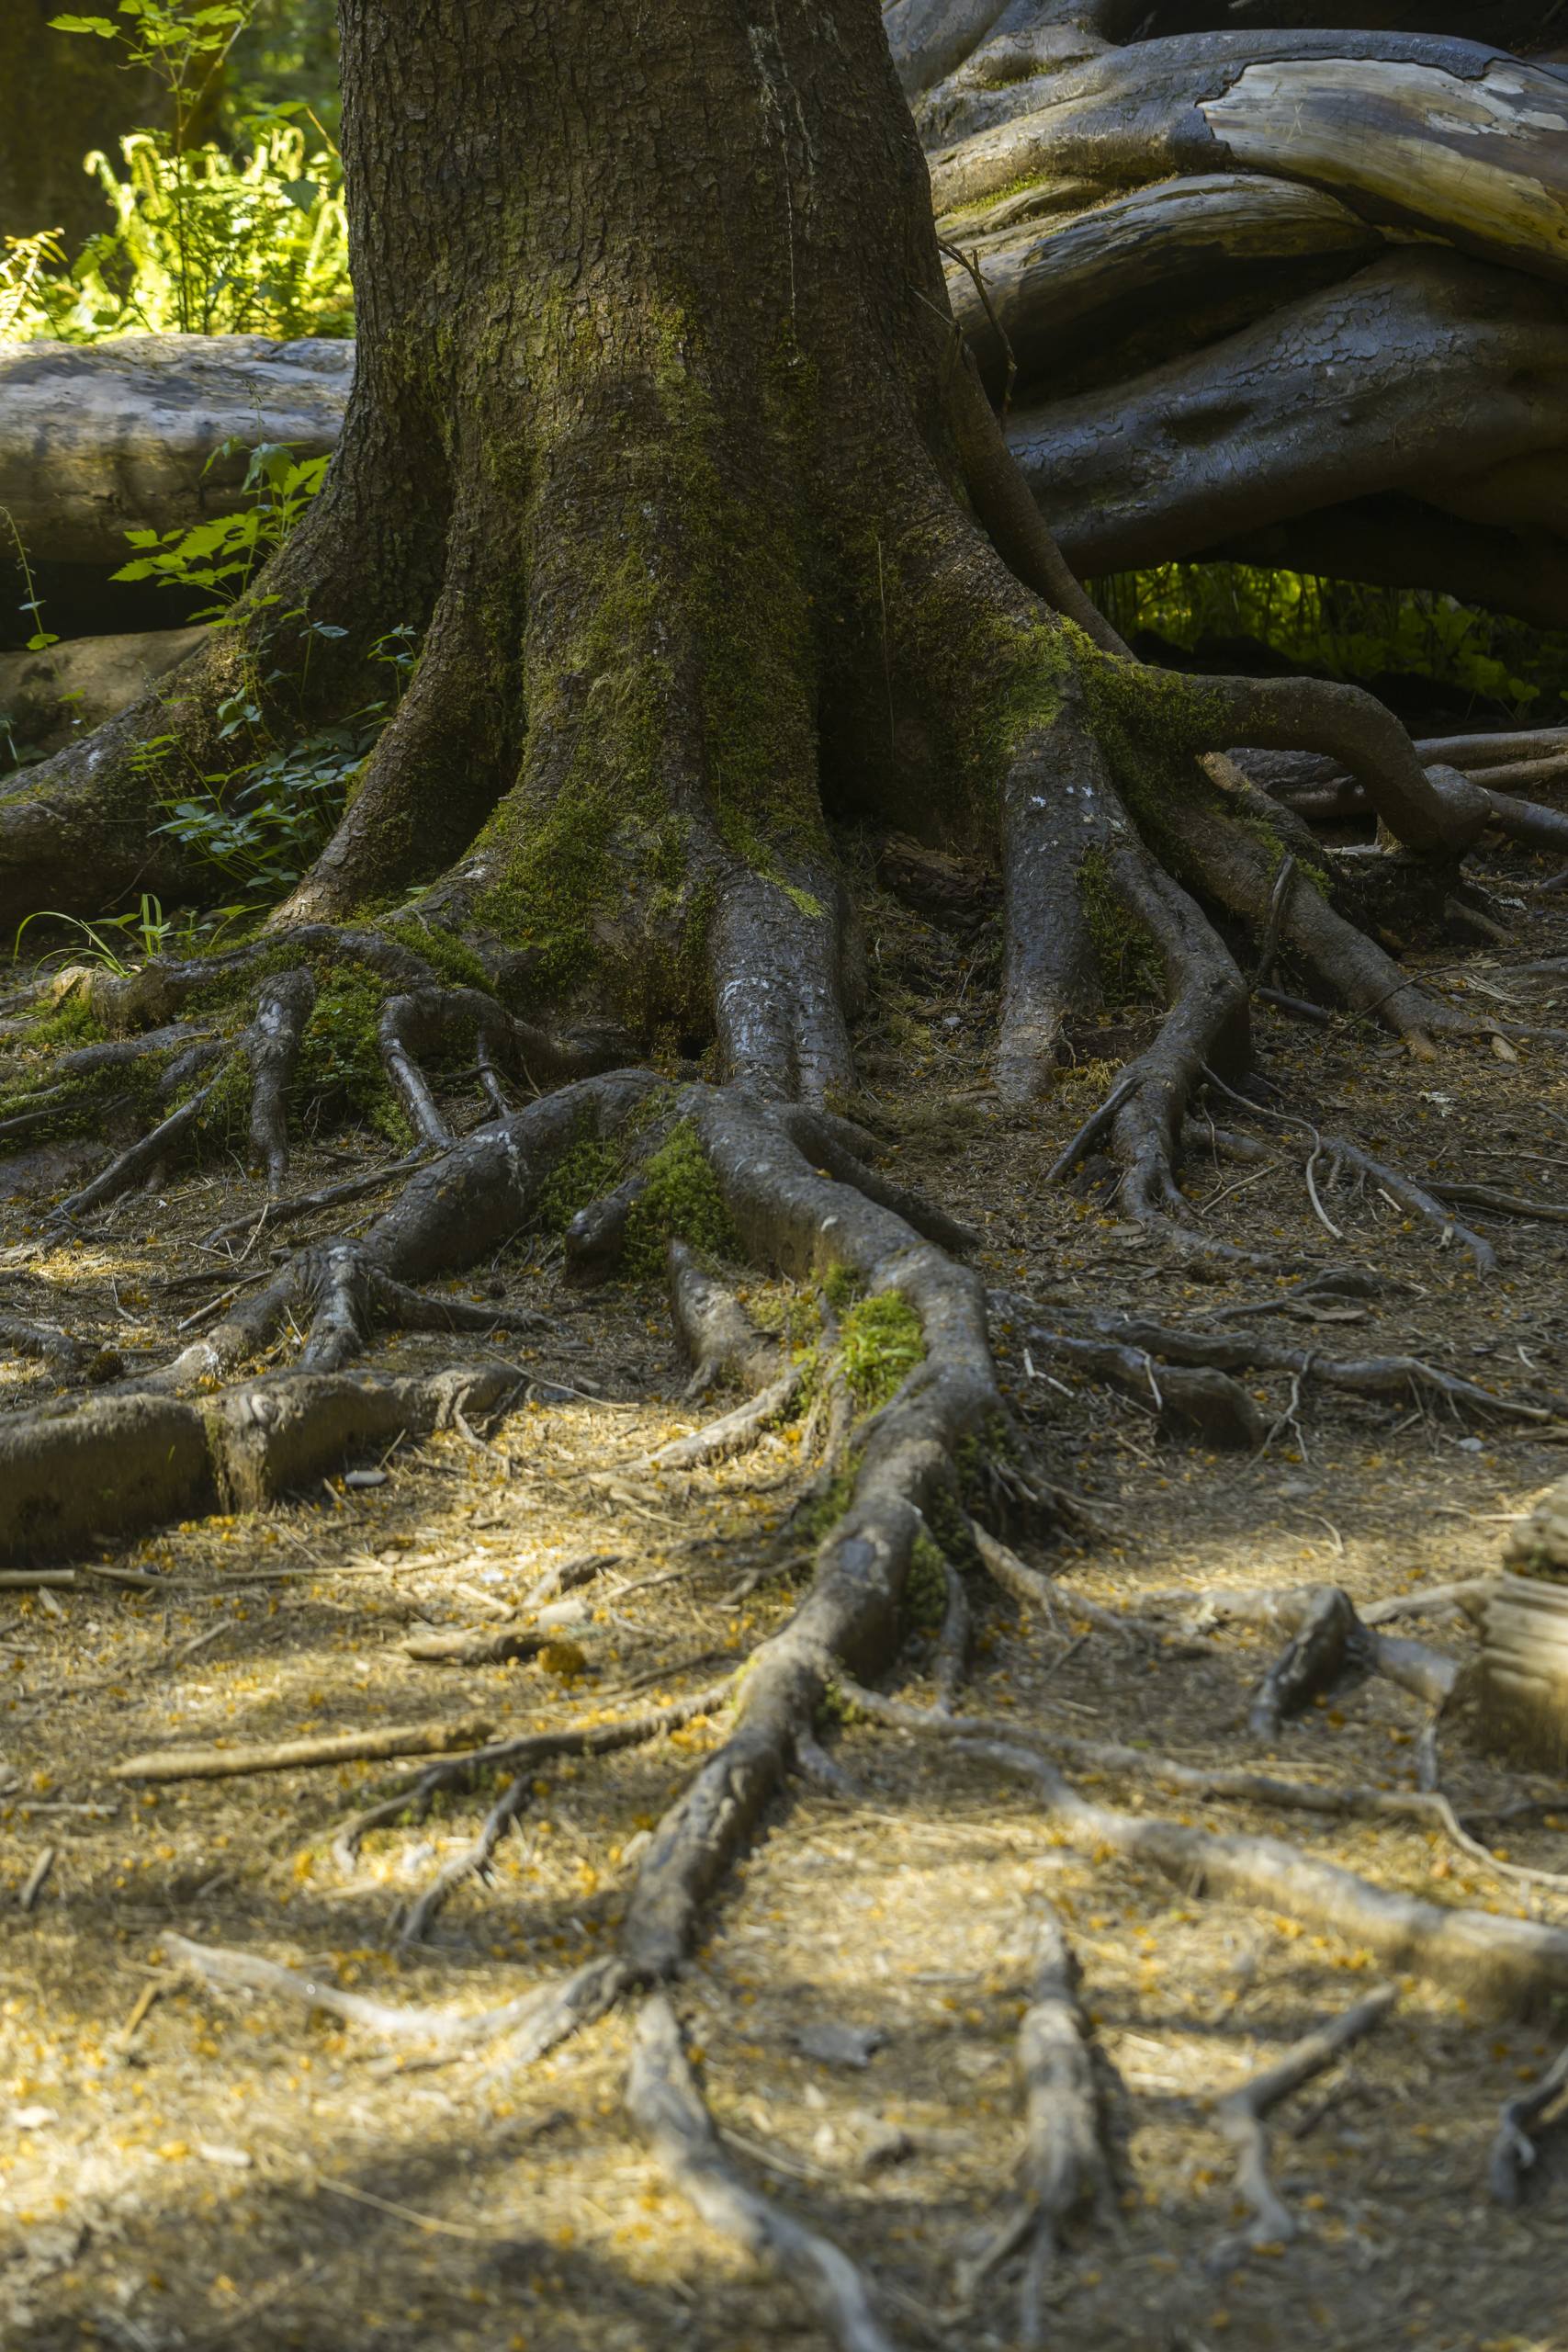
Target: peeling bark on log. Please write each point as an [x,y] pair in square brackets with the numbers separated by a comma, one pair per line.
[1373,385]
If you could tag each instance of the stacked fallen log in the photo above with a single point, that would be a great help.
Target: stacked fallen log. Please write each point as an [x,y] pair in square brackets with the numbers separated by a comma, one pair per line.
[1523,1675]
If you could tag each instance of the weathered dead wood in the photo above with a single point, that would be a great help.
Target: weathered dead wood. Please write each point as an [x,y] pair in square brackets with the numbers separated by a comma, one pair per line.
[1516,1964]
[1232,439]
[75,685]
[1322,1647]
[666,2104]
[98,439]
[1224,237]
[290,1754]
[1468,145]
[1523,1678]
[33,1884]
[494,1645]
[1240,2116]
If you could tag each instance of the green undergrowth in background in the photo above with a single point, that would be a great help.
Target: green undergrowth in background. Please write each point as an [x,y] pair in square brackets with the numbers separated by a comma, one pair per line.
[1344,629]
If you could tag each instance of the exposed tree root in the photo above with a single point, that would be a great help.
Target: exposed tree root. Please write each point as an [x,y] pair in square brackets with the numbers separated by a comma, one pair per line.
[731,1433]
[665,2102]
[1514,1963]
[1241,2114]
[1066,2171]
[952,1653]
[1043,1592]
[1407,1194]
[121,1463]
[530,2025]
[1513,2153]
[1223,1783]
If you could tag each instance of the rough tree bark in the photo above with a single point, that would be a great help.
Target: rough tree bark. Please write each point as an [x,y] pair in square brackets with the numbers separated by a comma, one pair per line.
[663,438]
[1273,289]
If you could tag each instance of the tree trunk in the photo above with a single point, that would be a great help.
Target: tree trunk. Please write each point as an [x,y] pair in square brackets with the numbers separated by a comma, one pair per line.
[1250,280]
[662,439]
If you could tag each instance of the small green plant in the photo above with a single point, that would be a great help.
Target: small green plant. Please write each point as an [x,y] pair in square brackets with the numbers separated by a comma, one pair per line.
[42,638]
[224,552]
[881,1343]
[118,943]
[202,240]
[264,823]
[23,263]
[205,243]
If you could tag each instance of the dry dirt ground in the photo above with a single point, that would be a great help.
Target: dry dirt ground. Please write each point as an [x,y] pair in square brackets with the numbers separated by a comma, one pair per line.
[185,2167]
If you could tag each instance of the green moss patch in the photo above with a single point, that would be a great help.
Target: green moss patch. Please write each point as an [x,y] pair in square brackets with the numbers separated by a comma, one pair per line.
[681,1199]
[880,1345]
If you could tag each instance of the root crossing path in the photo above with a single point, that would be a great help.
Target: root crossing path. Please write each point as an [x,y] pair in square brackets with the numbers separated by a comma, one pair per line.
[489,1864]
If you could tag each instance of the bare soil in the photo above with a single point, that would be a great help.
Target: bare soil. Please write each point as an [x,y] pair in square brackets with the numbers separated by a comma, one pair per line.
[188,2168]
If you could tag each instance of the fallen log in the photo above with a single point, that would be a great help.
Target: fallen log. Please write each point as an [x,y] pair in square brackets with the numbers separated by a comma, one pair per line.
[98,439]
[73,687]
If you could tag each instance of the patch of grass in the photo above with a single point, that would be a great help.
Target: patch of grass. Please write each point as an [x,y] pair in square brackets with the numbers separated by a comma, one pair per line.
[881,1343]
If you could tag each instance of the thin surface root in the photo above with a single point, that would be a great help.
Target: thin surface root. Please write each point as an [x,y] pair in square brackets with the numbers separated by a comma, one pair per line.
[668,2106]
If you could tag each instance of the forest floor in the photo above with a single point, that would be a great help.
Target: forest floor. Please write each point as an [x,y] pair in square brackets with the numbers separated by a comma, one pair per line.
[185,2167]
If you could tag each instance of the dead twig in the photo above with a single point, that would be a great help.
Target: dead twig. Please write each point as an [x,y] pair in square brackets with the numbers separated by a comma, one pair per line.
[1241,2114]
[1514,2154]
[288,1754]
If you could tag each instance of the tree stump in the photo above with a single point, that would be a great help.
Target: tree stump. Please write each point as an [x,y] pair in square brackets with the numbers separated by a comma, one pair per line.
[1523,1689]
